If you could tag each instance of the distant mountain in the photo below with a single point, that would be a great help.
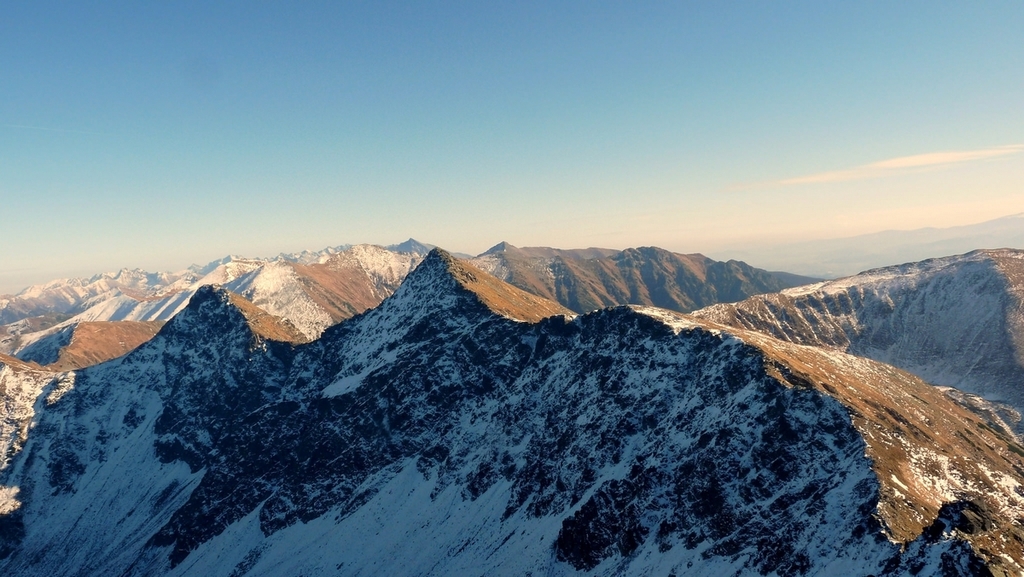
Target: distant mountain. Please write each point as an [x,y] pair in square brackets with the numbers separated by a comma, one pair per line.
[312,290]
[412,245]
[70,296]
[449,432]
[846,256]
[590,279]
[315,290]
[955,321]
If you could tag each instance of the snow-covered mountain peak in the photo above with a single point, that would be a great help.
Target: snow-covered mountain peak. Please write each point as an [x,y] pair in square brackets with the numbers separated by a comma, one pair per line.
[412,246]
[909,275]
[431,436]
[441,277]
[385,267]
[502,247]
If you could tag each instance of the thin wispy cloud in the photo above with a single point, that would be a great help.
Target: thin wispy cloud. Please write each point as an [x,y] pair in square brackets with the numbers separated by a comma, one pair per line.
[894,166]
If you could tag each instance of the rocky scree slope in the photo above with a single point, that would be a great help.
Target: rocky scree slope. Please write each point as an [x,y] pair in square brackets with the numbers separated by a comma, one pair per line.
[956,321]
[591,279]
[435,435]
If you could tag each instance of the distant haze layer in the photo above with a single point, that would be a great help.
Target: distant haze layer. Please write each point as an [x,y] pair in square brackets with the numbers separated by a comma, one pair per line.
[838,257]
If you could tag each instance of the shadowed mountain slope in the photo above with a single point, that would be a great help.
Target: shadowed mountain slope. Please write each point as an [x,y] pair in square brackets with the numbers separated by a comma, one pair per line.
[20,385]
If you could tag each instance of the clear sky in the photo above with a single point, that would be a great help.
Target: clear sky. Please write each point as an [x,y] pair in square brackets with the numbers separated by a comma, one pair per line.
[158,134]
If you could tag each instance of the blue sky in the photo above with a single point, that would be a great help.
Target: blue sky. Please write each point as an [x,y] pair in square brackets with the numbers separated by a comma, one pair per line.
[161,134]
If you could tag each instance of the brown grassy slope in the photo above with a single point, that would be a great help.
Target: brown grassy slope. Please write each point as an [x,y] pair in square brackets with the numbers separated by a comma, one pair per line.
[641,276]
[264,324]
[499,296]
[343,288]
[341,293]
[18,364]
[96,342]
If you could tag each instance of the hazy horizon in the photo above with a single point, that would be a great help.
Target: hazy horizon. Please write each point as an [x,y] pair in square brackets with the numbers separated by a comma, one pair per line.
[804,261]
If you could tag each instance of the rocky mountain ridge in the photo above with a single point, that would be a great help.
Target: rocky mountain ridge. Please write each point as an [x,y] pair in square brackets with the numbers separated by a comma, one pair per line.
[956,321]
[589,279]
[437,431]
[314,290]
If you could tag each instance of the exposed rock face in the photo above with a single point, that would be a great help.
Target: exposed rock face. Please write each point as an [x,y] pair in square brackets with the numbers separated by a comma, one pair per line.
[955,321]
[590,279]
[434,435]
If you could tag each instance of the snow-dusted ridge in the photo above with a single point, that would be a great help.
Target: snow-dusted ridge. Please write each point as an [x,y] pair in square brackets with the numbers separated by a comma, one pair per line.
[955,321]
[432,436]
[313,290]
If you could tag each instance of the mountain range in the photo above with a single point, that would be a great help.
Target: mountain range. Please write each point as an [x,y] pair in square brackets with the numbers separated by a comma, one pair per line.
[590,279]
[314,290]
[464,426]
[561,416]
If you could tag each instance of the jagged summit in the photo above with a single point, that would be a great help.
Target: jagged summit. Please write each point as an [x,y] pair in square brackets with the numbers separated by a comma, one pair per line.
[502,247]
[215,306]
[440,271]
[431,437]
[588,279]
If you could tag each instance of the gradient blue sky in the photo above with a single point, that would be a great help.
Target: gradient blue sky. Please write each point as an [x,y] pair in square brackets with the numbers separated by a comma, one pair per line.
[161,134]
